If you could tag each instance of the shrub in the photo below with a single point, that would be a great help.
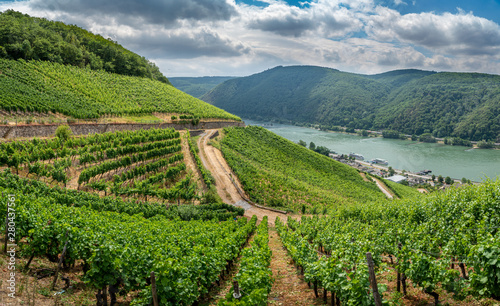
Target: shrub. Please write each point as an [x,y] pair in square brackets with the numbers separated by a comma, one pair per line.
[64,132]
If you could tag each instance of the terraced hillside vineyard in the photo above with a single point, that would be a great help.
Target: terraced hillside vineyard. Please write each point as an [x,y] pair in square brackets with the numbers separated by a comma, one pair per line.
[279,173]
[37,86]
[137,216]
[145,163]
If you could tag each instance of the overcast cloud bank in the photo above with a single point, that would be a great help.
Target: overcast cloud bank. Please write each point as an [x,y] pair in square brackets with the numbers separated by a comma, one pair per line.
[222,37]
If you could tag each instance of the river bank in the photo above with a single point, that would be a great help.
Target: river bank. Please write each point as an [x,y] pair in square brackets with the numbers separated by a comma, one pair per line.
[410,156]
[379,134]
[414,179]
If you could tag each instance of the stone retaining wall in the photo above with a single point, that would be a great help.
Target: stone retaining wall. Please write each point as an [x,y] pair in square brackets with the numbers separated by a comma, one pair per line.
[9,132]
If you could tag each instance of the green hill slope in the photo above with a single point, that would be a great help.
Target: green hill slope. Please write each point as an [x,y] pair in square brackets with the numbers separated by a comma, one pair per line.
[410,101]
[197,86]
[84,93]
[29,38]
[303,94]
[446,104]
[398,78]
[279,173]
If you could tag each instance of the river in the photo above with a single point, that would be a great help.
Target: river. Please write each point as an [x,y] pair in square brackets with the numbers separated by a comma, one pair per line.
[454,161]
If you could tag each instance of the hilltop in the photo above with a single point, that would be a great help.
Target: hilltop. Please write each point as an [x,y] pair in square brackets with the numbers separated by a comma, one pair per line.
[49,69]
[409,101]
[197,86]
[31,38]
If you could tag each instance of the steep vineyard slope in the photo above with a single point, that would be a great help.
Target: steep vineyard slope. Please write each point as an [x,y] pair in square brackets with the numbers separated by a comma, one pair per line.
[84,93]
[279,173]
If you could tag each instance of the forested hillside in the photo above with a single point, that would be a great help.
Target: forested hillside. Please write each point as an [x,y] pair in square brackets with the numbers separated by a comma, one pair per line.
[466,105]
[301,93]
[409,101]
[197,86]
[30,38]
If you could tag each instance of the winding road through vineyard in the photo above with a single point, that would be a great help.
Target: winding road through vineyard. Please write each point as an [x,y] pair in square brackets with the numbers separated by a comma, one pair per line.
[288,287]
[214,161]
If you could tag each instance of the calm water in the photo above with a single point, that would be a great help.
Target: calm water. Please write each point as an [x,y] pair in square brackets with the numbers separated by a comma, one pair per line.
[456,162]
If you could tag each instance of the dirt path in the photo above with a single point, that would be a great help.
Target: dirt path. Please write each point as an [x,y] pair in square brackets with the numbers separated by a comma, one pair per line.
[363,175]
[288,287]
[214,162]
[384,188]
[190,163]
[388,193]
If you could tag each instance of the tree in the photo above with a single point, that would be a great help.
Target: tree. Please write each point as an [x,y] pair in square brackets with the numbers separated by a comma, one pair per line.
[390,134]
[302,143]
[312,146]
[63,132]
[440,179]
[391,171]
[427,137]
[485,144]
[433,177]
[322,150]
[448,180]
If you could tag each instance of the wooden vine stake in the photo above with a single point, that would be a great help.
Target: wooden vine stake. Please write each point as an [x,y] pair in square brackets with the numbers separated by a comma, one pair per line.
[236,289]
[59,264]
[153,289]
[402,279]
[373,280]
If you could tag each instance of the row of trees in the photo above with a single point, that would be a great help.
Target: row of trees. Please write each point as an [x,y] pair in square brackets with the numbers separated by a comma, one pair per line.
[318,149]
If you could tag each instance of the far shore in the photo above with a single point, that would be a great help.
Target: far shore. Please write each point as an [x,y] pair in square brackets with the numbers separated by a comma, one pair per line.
[373,133]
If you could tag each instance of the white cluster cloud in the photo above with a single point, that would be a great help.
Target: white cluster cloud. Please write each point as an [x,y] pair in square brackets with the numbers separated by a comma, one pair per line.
[222,37]
[461,33]
[326,18]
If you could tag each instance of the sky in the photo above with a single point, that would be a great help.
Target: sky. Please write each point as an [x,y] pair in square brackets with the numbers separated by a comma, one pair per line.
[243,37]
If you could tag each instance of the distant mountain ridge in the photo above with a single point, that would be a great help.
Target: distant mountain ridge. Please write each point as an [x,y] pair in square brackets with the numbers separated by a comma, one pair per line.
[410,101]
[197,86]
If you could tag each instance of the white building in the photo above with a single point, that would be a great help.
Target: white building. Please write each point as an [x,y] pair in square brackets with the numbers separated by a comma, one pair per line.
[397,178]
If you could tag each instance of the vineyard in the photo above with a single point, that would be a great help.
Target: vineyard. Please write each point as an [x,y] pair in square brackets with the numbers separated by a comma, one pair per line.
[279,173]
[107,208]
[447,243]
[119,250]
[136,217]
[142,164]
[38,86]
